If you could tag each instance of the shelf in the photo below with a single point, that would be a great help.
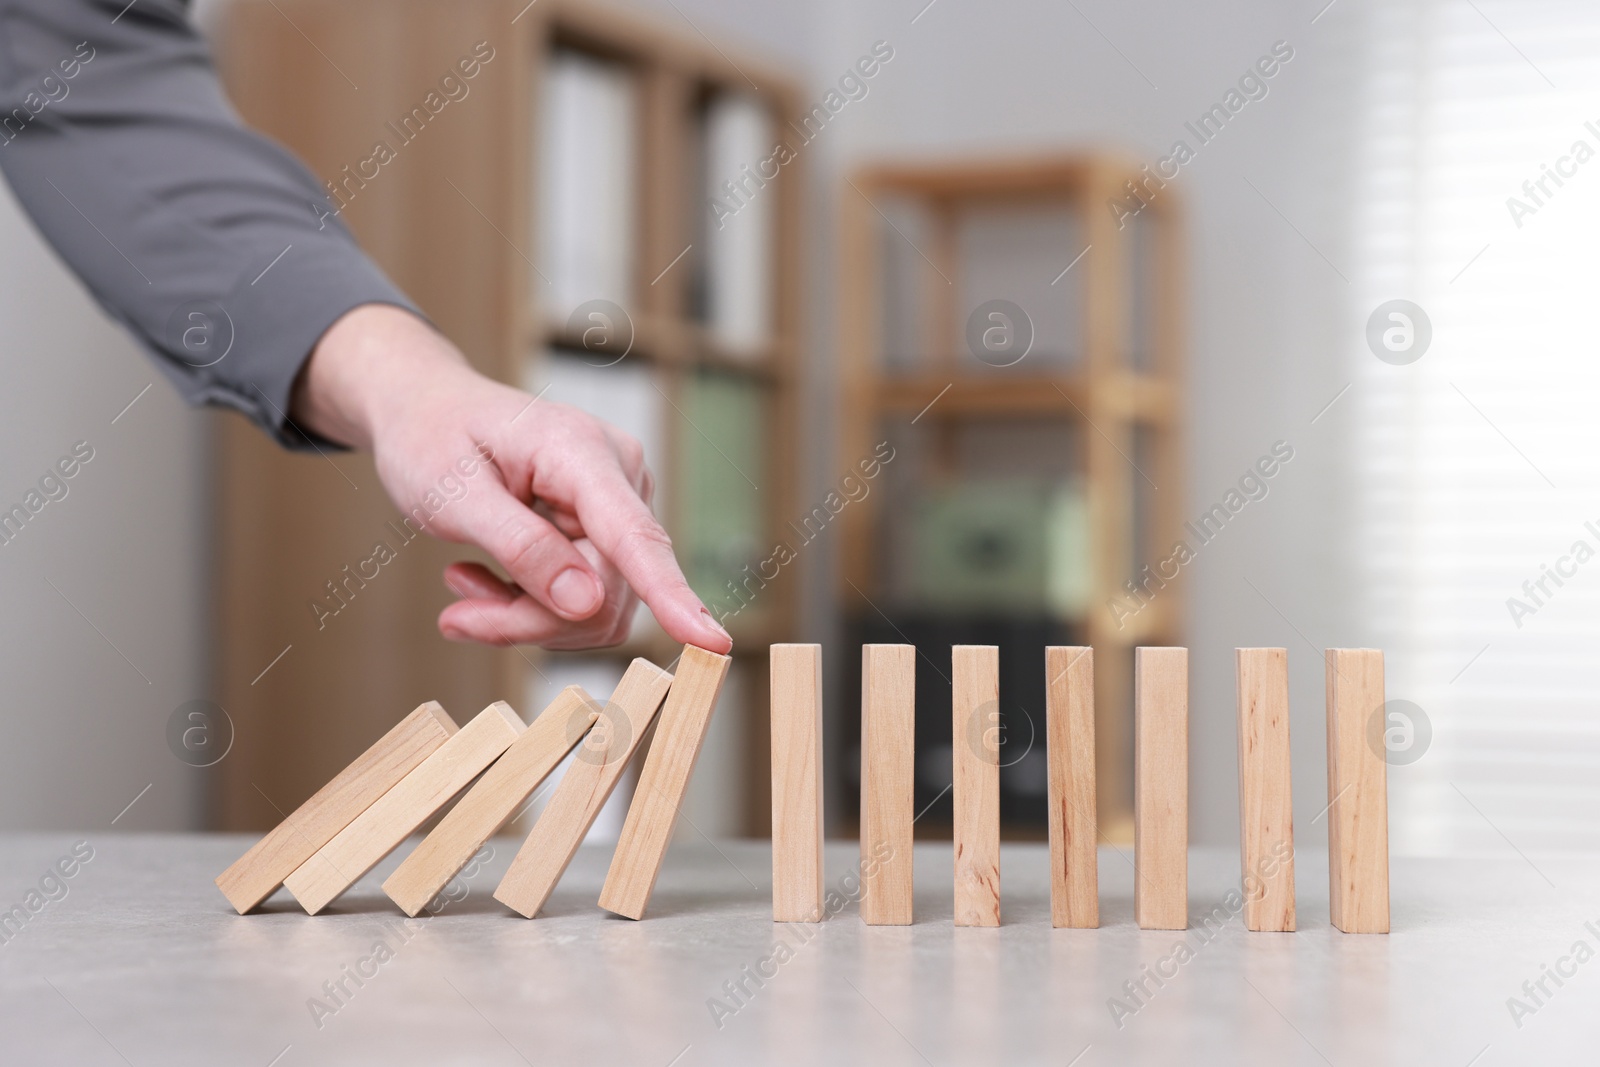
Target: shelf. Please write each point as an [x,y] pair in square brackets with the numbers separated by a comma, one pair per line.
[1135,397]
[671,342]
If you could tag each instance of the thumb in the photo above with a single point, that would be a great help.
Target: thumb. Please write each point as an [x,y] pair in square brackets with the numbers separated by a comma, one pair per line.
[539,558]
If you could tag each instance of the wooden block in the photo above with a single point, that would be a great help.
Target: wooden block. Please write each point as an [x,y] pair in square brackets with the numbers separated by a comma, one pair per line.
[795,672]
[1266,804]
[589,779]
[975,782]
[888,750]
[647,829]
[376,832]
[1074,828]
[259,872]
[1358,793]
[1161,788]
[492,801]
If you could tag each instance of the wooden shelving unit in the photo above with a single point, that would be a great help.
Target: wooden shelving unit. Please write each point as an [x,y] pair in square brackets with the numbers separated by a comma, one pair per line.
[455,219]
[1115,387]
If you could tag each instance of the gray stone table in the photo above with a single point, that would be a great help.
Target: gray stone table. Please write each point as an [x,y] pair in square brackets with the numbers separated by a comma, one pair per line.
[137,959]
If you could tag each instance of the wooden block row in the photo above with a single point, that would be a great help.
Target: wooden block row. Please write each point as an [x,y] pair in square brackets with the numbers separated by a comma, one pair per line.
[350,825]
[1358,845]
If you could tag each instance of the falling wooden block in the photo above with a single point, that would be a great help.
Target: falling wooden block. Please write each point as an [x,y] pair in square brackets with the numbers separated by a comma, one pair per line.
[975,782]
[376,832]
[1161,788]
[647,830]
[1358,793]
[1074,831]
[795,672]
[492,801]
[255,875]
[888,749]
[1266,805]
[590,777]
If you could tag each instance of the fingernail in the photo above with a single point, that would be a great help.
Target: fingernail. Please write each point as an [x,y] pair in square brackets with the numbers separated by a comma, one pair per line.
[714,624]
[575,592]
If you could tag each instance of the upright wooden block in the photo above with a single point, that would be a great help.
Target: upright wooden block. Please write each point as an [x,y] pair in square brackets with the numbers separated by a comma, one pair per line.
[492,801]
[888,749]
[376,832]
[795,672]
[1161,788]
[1358,793]
[1266,805]
[975,782]
[647,830]
[1074,829]
[254,876]
[589,779]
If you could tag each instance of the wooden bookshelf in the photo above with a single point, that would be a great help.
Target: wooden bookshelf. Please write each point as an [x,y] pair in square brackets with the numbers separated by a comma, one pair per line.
[454,219]
[1101,390]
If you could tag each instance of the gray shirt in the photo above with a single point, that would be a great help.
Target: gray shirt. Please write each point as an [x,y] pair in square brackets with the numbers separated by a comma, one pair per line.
[213,245]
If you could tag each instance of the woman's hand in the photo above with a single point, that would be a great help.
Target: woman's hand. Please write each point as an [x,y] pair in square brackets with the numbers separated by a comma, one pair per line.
[558,498]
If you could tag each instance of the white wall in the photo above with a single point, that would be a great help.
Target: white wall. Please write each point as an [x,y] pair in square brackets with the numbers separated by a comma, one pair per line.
[84,728]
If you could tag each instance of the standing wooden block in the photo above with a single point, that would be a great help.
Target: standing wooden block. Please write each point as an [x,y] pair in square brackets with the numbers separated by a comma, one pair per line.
[888,750]
[585,787]
[1358,793]
[647,830]
[1074,829]
[255,875]
[492,801]
[797,882]
[376,832]
[1161,788]
[1266,804]
[975,782]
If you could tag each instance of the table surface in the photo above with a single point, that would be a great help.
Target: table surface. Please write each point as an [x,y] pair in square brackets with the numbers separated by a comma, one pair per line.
[142,962]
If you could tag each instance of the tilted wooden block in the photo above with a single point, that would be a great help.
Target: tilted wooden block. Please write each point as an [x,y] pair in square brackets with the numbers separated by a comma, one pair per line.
[590,777]
[255,875]
[888,750]
[1358,792]
[492,801]
[975,782]
[795,672]
[647,829]
[1161,788]
[1074,828]
[376,832]
[1266,803]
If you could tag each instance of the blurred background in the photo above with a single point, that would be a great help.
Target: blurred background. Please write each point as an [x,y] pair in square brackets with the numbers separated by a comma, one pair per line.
[1221,325]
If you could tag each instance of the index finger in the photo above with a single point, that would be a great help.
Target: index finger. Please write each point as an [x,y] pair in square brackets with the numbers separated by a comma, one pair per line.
[621,526]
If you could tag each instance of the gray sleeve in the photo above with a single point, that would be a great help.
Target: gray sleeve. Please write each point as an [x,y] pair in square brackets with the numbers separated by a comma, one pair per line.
[210,243]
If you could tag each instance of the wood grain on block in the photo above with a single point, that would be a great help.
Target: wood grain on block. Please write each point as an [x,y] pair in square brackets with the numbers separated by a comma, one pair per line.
[888,746]
[795,672]
[1266,804]
[975,782]
[1074,829]
[1161,788]
[1358,792]
[393,817]
[259,872]
[647,829]
[492,801]
[591,775]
